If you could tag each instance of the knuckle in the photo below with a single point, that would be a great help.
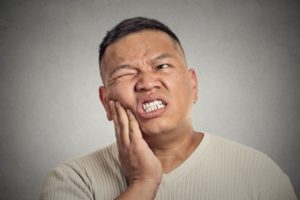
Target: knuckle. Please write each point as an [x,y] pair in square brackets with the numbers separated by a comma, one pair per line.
[131,129]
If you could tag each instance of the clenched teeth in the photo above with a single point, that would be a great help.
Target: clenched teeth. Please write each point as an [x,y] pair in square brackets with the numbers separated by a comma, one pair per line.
[153,105]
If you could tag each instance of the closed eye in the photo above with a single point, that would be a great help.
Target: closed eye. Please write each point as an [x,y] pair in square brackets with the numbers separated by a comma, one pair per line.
[125,75]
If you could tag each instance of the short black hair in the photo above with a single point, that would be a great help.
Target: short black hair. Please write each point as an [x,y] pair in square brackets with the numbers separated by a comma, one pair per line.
[132,25]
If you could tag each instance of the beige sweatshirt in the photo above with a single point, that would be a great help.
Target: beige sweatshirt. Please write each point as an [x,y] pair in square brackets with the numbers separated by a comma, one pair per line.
[218,169]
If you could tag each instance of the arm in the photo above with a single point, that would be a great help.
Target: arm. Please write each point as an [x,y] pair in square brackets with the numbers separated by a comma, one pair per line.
[66,181]
[142,168]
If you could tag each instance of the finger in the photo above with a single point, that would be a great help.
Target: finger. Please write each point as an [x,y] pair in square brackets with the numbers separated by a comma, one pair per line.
[123,124]
[134,129]
[115,119]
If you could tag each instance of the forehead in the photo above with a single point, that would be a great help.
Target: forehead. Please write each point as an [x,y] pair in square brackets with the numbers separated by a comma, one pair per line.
[140,45]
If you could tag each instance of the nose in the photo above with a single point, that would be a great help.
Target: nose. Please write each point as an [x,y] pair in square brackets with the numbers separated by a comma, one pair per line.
[147,82]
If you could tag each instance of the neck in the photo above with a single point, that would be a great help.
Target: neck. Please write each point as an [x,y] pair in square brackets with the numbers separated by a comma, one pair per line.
[172,149]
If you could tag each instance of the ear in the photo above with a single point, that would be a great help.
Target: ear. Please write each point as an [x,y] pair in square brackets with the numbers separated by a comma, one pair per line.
[104,99]
[194,80]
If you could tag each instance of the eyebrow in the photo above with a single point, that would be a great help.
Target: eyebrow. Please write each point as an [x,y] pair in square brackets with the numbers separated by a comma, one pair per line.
[160,57]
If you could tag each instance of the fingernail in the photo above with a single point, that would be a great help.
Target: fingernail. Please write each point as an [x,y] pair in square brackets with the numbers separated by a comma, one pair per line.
[111,102]
[129,112]
[117,104]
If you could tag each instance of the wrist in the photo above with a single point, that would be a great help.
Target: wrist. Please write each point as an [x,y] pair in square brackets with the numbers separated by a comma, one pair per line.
[146,188]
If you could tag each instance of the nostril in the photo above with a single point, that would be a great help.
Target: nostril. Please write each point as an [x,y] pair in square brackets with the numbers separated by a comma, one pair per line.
[146,83]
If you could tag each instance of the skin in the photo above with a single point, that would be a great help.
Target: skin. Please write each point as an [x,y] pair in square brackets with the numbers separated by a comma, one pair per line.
[144,66]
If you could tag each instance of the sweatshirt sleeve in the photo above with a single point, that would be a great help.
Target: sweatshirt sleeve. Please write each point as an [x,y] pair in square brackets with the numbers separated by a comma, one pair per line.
[67,181]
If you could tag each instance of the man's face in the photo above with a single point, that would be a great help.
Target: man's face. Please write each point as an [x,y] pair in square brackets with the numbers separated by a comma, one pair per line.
[147,73]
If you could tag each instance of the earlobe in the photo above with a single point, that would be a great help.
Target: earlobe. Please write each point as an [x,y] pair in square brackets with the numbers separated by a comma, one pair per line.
[104,101]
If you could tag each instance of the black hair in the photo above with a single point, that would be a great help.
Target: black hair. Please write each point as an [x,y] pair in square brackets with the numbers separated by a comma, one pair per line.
[132,25]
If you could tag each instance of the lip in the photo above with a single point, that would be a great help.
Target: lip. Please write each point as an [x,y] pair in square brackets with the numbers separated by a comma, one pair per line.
[144,115]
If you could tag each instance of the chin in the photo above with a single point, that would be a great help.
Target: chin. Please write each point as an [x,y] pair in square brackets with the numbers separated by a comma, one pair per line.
[154,129]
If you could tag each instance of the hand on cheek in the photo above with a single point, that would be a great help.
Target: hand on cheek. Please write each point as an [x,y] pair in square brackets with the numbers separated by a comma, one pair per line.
[137,159]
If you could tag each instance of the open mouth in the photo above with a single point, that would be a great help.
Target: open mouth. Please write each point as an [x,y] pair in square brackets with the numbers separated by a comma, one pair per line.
[153,106]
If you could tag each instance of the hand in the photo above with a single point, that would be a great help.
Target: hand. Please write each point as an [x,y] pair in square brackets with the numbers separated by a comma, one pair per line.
[139,163]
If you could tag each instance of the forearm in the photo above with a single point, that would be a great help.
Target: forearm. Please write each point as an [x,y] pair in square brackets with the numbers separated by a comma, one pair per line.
[140,191]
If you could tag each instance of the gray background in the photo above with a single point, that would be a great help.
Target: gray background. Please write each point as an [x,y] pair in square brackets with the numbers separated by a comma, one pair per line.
[246,54]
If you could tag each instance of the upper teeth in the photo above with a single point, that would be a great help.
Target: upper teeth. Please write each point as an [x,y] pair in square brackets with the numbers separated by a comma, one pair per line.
[153,105]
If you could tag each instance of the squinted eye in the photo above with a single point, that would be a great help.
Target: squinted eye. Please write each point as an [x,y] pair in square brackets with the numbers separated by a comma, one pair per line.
[125,75]
[162,66]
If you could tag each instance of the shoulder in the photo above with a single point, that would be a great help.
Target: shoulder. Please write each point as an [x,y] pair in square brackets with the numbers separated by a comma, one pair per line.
[77,177]
[241,156]
[95,160]
[105,156]
[254,166]
[229,148]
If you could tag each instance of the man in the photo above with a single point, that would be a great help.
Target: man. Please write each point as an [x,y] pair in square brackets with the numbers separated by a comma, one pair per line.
[148,93]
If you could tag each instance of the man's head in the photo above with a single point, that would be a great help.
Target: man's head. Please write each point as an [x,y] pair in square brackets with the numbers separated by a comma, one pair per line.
[127,27]
[145,70]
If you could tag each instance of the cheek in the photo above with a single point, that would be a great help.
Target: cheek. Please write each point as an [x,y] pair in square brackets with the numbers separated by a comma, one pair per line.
[122,93]
[184,90]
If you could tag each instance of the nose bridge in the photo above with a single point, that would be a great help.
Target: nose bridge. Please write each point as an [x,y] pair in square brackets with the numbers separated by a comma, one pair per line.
[147,81]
